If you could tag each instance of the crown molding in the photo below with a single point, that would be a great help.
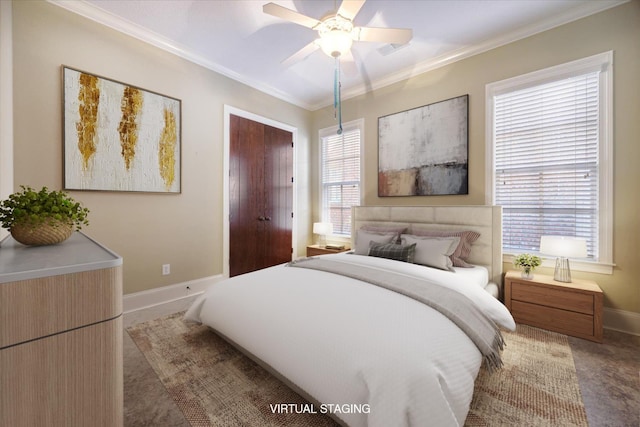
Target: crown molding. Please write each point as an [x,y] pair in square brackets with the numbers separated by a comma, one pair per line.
[100,16]
[587,9]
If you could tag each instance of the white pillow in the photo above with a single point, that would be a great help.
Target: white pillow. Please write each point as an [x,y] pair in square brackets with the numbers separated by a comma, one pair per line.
[432,251]
[363,238]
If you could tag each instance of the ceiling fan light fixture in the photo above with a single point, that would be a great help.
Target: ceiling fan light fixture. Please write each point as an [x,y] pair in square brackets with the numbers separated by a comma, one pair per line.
[335,42]
[336,30]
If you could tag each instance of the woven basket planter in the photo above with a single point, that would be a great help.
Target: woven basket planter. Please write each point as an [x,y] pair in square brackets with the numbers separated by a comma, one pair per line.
[47,233]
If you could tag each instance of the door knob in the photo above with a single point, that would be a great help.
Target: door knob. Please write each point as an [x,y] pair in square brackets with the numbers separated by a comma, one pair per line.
[261,218]
[268,218]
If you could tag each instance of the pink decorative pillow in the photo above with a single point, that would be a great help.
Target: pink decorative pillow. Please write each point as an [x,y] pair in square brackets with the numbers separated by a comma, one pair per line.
[460,255]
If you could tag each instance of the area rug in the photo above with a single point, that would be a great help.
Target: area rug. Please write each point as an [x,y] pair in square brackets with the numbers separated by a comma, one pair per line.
[215,385]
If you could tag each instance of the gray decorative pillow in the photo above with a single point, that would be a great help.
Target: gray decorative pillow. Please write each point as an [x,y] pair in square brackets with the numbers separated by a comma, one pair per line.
[364,237]
[392,251]
[432,251]
[459,256]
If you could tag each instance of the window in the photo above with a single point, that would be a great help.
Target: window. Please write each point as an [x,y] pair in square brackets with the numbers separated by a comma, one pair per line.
[340,175]
[551,155]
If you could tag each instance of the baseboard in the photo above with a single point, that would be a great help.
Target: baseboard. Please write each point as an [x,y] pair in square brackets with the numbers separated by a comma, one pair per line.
[156,296]
[622,321]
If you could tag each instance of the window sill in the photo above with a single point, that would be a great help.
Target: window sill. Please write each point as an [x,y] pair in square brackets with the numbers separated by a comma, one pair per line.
[576,265]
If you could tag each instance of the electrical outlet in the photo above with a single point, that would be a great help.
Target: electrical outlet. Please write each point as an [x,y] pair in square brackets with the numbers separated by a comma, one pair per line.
[166,269]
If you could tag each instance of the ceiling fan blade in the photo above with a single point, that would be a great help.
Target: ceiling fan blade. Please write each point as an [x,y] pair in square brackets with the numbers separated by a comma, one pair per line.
[350,8]
[289,15]
[301,54]
[385,35]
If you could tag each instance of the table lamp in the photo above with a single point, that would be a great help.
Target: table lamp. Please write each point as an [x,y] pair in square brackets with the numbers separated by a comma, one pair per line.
[563,248]
[322,229]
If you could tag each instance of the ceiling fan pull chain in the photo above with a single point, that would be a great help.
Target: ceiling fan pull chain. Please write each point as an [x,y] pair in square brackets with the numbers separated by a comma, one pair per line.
[337,104]
[335,90]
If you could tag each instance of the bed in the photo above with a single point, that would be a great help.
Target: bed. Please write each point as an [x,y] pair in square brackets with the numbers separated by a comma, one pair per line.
[366,354]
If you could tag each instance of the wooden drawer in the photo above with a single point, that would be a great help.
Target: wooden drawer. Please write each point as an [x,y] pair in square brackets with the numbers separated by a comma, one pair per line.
[567,322]
[34,308]
[315,250]
[565,299]
[70,379]
[570,308]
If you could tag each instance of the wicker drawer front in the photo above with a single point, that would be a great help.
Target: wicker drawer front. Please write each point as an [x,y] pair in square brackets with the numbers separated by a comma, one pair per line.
[567,322]
[558,298]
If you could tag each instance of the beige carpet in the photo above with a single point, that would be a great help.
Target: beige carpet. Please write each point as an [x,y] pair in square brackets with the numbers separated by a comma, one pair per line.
[216,385]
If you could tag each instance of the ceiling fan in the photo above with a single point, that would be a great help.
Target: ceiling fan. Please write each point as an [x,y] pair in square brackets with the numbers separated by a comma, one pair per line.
[336,31]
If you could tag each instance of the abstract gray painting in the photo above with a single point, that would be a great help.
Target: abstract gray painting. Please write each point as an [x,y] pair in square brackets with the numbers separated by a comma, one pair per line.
[425,151]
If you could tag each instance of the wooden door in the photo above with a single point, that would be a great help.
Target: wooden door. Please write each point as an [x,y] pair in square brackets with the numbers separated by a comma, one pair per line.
[260,196]
[246,183]
[278,190]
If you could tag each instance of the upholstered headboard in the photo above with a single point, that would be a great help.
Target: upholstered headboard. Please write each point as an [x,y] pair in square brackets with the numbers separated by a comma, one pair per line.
[486,220]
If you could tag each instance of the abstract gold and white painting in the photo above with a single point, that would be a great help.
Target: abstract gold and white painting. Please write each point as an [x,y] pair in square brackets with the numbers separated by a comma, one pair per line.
[424,151]
[119,137]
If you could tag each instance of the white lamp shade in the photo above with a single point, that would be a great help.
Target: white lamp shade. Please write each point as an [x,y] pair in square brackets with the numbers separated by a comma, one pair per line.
[322,228]
[561,246]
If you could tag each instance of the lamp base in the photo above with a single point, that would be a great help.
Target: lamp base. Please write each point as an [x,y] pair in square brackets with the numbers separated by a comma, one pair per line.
[562,272]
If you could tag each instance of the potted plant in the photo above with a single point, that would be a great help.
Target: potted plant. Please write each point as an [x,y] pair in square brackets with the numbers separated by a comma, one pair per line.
[41,217]
[528,262]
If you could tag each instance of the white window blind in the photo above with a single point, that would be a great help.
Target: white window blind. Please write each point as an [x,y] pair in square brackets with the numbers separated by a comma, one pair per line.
[340,177]
[546,162]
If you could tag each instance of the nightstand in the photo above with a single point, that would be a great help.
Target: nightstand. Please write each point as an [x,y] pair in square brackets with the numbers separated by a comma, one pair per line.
[569,308]
[313,250]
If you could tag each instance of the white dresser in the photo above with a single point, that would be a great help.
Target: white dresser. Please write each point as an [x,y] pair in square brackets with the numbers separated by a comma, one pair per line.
[60,334]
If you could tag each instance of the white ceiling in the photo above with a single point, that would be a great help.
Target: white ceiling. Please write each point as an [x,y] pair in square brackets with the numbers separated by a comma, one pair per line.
[237,39]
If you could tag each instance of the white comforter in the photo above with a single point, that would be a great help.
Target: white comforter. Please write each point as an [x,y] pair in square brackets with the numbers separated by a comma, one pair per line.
[347,342]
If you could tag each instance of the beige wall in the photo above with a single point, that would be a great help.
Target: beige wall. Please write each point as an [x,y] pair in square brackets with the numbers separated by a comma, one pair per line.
[617,29]
[147,230]
[6,105]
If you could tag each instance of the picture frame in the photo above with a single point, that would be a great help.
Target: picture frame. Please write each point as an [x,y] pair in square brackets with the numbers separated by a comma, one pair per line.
[424,151]
[119,137]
